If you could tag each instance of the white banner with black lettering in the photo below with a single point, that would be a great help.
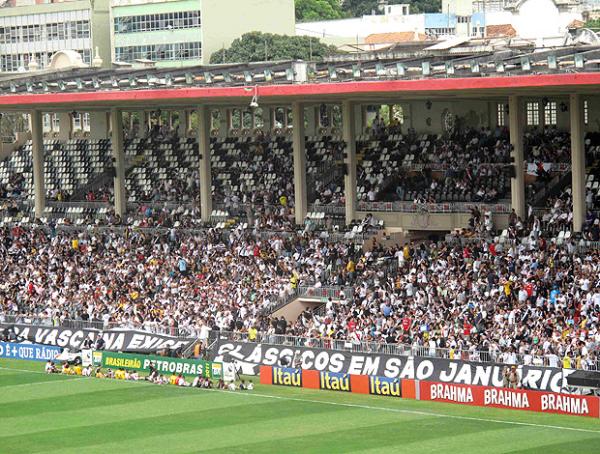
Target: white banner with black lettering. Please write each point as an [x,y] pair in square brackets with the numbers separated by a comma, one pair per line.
[249,356]
[115,340]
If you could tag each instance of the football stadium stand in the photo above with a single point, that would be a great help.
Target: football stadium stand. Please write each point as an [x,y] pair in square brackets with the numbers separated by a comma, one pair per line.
[468,226]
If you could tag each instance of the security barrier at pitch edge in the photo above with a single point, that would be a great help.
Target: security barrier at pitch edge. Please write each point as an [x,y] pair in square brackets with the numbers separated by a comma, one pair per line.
[481,396]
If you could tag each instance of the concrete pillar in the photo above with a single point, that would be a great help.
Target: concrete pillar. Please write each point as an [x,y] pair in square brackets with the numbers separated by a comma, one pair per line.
[142,123]
[267,119]
[205,171]
[223,122]
[517,185]
[99,126]
[300,193]
[358,119]
[184,123]
[116,118]
[37,148]
[312,121]
[577,161]
[349,136]
[65,123]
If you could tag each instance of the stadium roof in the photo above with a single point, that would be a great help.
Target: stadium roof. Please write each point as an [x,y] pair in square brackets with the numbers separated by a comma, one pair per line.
[486,73]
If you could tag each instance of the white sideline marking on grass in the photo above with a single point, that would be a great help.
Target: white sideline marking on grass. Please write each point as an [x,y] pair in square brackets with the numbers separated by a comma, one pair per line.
[364,407]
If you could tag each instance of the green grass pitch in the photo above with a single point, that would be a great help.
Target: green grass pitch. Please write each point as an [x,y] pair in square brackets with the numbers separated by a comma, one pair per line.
[60,414]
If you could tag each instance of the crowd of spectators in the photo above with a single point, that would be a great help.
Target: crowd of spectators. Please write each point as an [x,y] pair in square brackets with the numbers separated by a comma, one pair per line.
[466,166]
[516,300]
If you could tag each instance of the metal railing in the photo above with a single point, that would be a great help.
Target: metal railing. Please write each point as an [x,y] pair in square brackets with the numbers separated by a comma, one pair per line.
[294,341]
[395,349]
[433,208]
[148,327]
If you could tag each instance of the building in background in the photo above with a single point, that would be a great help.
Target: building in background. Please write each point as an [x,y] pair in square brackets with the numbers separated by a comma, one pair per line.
[168,32]
[40,30]
[464,19]
[187,32]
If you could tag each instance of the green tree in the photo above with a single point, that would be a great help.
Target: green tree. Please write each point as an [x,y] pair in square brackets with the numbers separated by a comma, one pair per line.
[315,10]
[257,46]
[356,8]
[593,24]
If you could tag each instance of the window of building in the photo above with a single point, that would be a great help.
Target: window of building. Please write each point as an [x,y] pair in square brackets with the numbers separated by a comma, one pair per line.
[550,113]
[586,112]
[398,113]
[152,22]
[500,114]
[80,29]
[55,123]
[159,52]
[440,31]
[77,122]
[259,121]
[46,126]
[280,118]
[533,114]
[463,19]
[235,119]
[57,31]
[247,120]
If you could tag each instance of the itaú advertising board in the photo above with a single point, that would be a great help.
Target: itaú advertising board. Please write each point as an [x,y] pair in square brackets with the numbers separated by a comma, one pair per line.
[517,399]
[335,381]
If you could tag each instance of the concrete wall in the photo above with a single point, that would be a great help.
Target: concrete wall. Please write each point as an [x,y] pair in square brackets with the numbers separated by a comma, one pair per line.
[225,20]
[432,222]
[475,113]
[101,32]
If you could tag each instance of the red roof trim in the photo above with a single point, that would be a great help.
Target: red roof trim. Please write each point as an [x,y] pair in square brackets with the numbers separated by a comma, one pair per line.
[200,94]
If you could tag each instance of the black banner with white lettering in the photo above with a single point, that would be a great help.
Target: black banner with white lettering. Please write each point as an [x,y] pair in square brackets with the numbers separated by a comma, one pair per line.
[249,356]
[115,340]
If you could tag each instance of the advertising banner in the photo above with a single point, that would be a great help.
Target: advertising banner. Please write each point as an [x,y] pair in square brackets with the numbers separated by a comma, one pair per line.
[163,365]
[250,356]
[116,340]
[518,399]
[31,352]
[332,381]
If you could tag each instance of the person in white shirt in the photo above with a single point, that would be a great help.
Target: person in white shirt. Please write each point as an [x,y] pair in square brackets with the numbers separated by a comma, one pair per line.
[50,367]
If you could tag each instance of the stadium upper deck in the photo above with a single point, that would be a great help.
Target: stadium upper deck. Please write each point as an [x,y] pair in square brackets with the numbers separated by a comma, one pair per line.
[514,74]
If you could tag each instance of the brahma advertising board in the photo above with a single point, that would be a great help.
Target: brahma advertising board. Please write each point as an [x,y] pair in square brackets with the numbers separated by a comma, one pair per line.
[517,399]
[250,356]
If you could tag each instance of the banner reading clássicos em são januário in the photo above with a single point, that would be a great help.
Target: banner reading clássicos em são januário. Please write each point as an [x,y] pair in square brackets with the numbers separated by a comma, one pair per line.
[163,365]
